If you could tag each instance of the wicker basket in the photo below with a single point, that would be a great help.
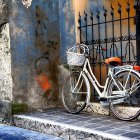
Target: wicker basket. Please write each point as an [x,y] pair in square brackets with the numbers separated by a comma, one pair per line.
[74,57]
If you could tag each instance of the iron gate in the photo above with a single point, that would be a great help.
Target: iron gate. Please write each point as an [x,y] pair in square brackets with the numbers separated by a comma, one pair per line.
[98,31]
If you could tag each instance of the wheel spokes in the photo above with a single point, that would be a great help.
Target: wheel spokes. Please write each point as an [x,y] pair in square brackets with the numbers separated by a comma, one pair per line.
[127,107]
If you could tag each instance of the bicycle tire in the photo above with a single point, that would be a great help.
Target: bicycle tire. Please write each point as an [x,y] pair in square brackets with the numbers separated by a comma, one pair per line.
[126,107]
[76,101]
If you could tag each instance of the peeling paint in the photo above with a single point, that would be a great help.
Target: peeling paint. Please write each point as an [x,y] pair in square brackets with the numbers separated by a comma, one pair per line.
[43,81]
[15,30]
[50,48]
[67,27]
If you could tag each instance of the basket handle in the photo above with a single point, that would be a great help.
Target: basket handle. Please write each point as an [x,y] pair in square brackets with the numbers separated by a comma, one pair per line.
[85,47]
[73,48]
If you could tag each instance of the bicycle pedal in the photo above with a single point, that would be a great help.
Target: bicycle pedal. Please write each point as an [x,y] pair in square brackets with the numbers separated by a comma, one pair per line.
[102,99]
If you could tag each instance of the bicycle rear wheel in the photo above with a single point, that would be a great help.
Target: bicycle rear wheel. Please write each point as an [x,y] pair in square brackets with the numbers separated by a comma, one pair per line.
[75,93]
[125,104]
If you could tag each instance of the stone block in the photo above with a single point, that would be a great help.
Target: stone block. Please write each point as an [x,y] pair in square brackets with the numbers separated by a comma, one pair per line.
[5,111]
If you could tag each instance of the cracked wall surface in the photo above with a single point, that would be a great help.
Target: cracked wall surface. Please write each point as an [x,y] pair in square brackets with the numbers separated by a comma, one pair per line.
[32,32]
[67,27]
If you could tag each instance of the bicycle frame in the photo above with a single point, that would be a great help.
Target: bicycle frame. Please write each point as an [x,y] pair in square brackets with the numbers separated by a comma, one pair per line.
[95,82]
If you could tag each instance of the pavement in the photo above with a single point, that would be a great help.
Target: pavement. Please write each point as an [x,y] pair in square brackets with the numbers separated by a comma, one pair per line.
[15,133]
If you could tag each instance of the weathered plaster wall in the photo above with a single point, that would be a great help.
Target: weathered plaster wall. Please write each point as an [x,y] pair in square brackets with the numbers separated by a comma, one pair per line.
[67,27]
[31,31]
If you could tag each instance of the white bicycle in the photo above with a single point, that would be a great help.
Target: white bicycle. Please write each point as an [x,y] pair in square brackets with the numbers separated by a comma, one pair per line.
[120,91]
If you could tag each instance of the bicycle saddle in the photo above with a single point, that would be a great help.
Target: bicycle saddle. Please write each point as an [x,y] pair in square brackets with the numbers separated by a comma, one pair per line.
[113,61]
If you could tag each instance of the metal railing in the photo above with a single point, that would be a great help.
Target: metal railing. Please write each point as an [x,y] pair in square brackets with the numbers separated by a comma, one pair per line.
[99,33]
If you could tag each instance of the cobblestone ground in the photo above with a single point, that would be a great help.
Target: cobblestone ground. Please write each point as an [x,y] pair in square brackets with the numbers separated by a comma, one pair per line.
[83,126]
[15,133]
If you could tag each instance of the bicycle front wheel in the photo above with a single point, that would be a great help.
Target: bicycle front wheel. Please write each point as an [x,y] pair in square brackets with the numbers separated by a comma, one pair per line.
[75,92]
[125,92]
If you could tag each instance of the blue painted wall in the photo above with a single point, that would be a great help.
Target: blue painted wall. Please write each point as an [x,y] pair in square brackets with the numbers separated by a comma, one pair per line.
[31,30]
[67,27]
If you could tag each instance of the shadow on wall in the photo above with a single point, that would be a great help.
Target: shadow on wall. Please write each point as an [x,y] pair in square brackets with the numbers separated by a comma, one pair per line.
[46,65]
[43,71]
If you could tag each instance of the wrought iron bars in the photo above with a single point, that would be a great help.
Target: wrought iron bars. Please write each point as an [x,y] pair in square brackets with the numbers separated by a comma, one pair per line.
[112,48]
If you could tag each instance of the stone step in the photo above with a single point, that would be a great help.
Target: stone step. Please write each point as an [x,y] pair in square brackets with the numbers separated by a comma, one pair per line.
[83,126]
[15,133]
[97,108]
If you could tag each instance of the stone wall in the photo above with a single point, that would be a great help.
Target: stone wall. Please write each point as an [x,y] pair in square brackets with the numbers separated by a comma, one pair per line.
[5,64]
[4,12]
